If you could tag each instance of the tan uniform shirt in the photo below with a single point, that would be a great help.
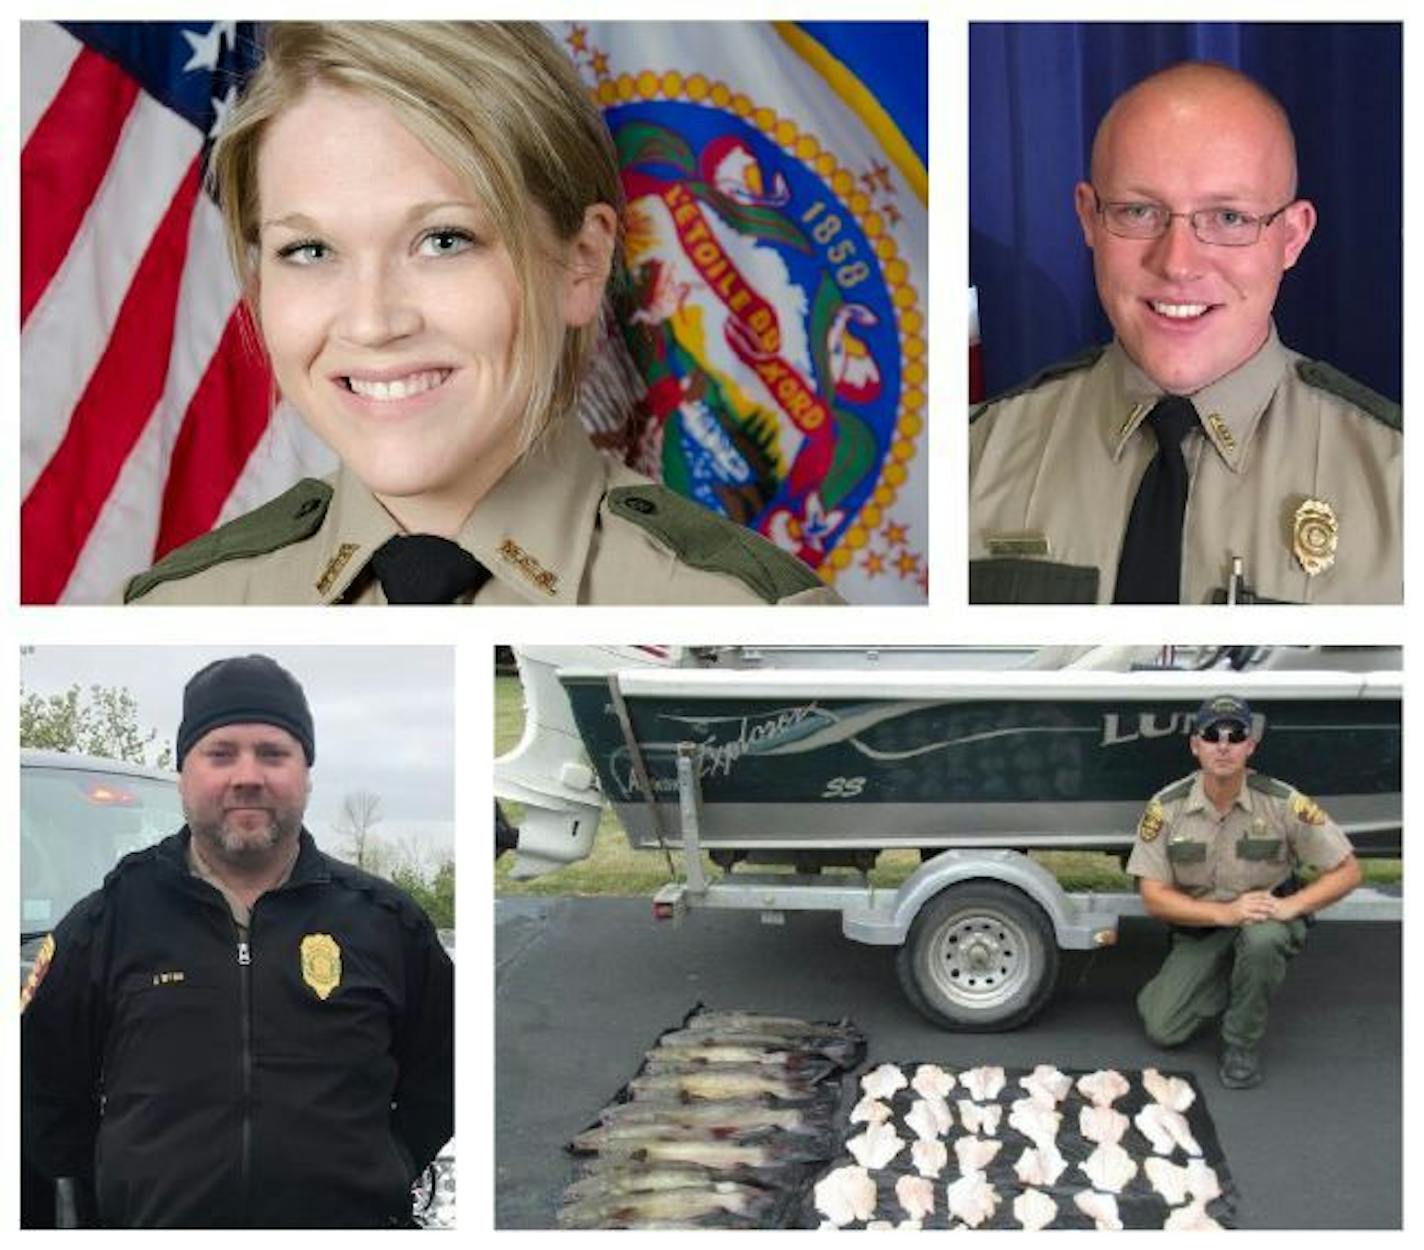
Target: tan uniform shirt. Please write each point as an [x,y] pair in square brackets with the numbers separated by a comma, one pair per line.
[545,531]
[1060,464]
[1270,829]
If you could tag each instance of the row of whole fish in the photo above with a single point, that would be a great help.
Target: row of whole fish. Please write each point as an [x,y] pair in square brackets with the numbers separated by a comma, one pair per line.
[966,1129]
[723,1126]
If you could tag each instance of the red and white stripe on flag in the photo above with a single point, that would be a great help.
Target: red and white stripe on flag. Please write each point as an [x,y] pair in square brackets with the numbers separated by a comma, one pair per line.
[145,409]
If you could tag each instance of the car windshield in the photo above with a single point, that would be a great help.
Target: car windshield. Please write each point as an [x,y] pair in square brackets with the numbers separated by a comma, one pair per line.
[75,825]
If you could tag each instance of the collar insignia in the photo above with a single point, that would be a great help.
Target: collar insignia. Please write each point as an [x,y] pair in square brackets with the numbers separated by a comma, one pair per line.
[333,569]
[514,554]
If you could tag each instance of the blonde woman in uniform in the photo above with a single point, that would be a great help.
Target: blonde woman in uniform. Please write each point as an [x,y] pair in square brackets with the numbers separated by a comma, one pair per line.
[423,218]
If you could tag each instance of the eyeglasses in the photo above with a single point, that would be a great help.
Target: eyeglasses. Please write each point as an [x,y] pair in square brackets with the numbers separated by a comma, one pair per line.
[1236,735]
[1221,227]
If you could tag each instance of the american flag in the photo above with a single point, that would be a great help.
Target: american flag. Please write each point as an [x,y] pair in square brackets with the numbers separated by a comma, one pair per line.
[146,410]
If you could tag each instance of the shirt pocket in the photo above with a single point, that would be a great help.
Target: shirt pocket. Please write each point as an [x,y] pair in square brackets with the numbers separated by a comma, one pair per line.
[1189,861]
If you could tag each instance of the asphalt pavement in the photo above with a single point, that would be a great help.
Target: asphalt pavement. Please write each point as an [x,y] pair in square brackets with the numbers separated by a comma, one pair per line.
[584,986]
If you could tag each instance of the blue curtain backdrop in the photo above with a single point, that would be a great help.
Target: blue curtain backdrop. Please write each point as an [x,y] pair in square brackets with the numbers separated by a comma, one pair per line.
[1036,93]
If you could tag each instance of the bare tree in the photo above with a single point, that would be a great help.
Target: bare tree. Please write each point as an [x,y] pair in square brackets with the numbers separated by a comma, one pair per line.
[359,815]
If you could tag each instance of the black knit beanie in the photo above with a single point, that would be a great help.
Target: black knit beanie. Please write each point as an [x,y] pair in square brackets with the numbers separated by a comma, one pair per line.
[246,689]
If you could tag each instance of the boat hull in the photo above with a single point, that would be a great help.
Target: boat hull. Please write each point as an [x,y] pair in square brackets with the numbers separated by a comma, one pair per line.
[788,764]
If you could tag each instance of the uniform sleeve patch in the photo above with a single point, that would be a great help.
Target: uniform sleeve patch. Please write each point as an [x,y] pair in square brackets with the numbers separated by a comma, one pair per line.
[42,962]
[1306,810]
[1151,823]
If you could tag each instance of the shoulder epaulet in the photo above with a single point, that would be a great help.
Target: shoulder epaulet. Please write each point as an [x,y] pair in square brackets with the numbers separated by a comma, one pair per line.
[1269,785]
[707,541]
[288,519]
[1083,360]
[380,891]
[1325,377]
[1177,790]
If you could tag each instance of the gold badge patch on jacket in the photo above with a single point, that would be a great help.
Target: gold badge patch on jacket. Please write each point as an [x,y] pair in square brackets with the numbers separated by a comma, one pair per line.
[321,963]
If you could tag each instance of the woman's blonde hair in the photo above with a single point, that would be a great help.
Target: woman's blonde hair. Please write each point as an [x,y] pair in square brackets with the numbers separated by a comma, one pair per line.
[498,102]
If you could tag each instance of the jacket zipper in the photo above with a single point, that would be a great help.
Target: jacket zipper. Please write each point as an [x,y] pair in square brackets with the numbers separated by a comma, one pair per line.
[244,976]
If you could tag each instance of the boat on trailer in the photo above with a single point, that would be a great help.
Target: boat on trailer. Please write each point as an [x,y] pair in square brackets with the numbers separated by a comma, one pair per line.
[822,758]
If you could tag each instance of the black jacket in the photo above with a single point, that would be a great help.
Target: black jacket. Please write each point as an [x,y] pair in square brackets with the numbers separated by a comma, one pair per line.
[201,1084]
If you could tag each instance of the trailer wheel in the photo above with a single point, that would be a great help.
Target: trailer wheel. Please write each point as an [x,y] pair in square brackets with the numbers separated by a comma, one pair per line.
[981,957]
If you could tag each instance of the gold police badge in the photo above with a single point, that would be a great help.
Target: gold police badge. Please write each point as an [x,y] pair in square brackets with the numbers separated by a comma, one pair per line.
[321,963]
[1315,536]
[1151,823]
[1306,809]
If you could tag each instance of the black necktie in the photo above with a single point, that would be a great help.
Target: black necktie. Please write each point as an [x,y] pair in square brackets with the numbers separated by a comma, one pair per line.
[1150,568]
[423,568]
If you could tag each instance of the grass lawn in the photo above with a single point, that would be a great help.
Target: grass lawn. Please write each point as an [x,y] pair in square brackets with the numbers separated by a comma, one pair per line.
[615,868]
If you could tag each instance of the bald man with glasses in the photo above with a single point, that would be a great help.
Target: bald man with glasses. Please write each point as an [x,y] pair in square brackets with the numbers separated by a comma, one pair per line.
[1195,459]
[1216,856]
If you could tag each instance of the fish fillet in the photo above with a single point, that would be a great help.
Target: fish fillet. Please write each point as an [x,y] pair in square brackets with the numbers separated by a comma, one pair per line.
[972,1199]
[1171,1091]
[1034,1121]
[983,1084]
[931,1081]
[1100,1208]
[869,1111]
[1102,1124]
[1109,1168]
[916,1195]
[977,1119]
[1047,1085]
[1191,1218]
[875,1147]
[1166,1129]
[845,1195]
[929,1157]
[1202,1181]
[929,1118]
[1167,1179]
[975,1153]
[884,1081]
[1040,1165]
[1035,1210]
[1104,1087]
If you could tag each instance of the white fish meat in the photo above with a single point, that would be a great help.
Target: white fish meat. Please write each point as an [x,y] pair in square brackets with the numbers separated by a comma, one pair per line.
[929,1118]
[870,1111]
[1103,1087]
[875,1147]
[983,1083]
[1171,1091]
[1109,1168]
[1100,1208]
[884,1081]
[845,1195]
[880,1226]
[1041,1165]
[929,1157]
[1035,1210]
[1167,1179]
[909,1226]
[1034,1121]
[1102,1124]
[1191,1218]
[977,1119]
[972,1199]
[916,1195]
[1047,1085]
[975,1153]
[932,1081]
[1166,1129]
[1202,1181]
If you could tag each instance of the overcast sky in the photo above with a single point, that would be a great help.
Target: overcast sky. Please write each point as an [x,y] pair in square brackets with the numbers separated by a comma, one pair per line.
[384,719]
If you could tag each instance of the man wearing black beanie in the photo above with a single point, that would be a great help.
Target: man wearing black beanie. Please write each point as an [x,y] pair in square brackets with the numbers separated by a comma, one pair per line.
[236,1030]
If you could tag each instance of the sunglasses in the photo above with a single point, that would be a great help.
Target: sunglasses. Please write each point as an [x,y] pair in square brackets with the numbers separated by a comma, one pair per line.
[1235,735]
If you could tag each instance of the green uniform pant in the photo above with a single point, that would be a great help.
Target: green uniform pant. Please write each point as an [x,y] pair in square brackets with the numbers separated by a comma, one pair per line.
[1231,972]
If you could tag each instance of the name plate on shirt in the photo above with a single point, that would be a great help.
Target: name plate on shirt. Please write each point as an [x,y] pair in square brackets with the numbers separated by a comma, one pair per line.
[1023,545]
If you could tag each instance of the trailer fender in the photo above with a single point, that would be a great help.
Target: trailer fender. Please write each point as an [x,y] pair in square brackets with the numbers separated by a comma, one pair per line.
[888,925]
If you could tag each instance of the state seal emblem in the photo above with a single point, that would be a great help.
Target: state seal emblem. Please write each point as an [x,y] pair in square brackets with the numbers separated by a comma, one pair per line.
[321,963]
